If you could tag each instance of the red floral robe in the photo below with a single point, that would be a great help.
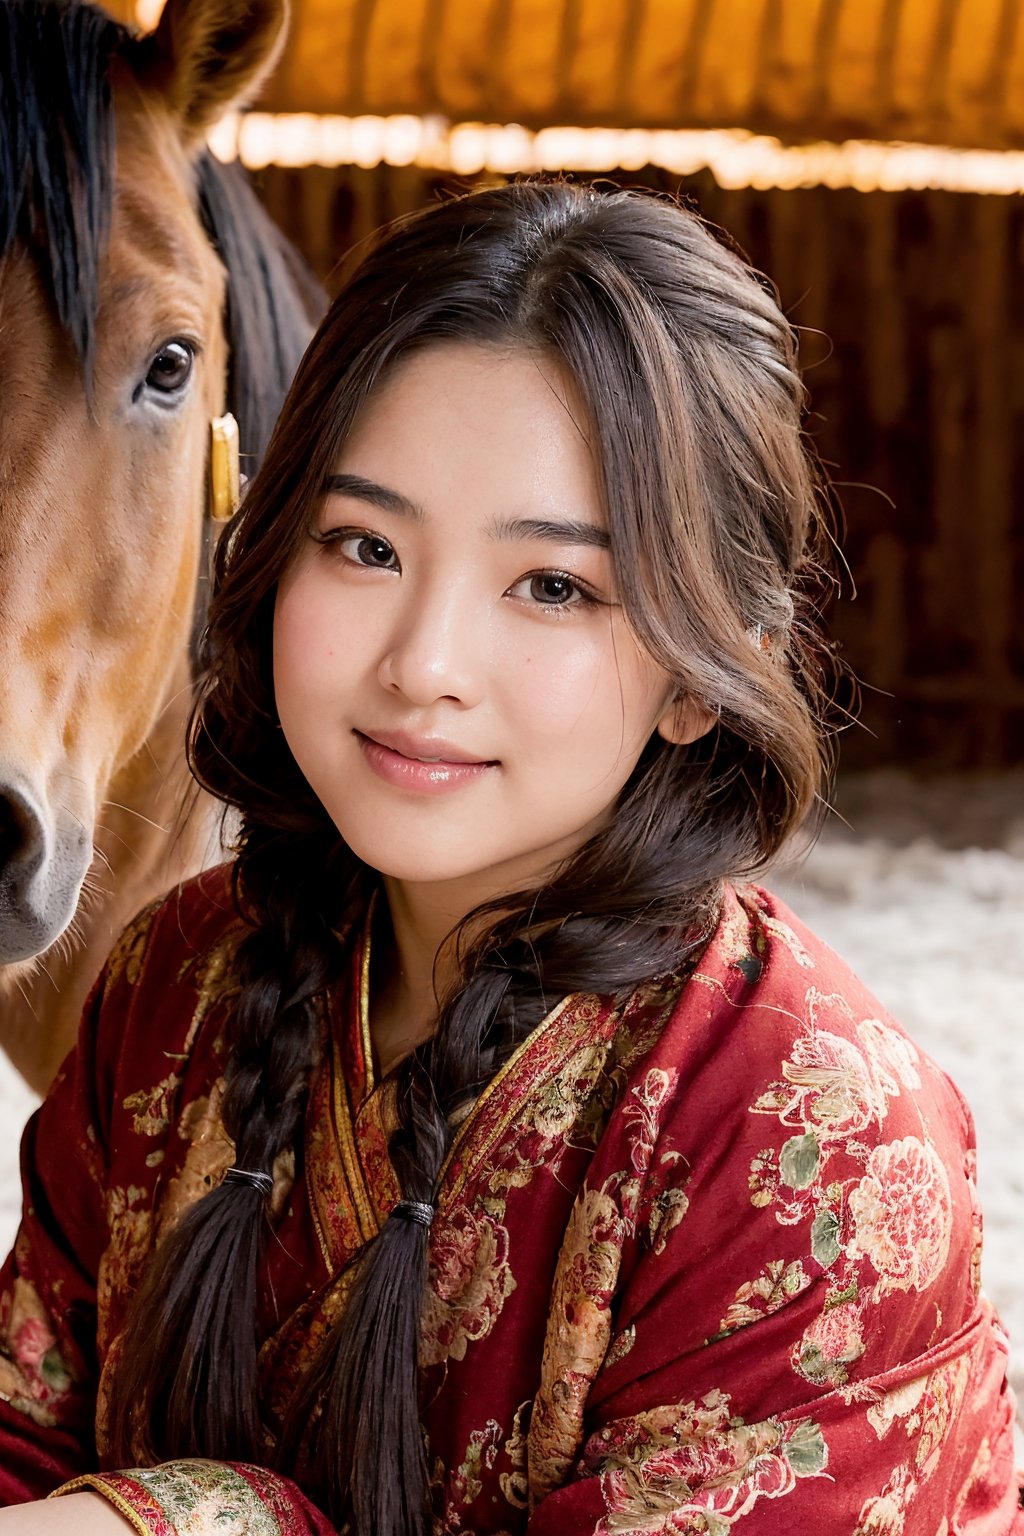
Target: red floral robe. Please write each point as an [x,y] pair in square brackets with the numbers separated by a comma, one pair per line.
[705,1261]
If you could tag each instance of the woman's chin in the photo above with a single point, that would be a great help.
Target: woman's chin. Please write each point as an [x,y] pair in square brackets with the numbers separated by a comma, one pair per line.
[412,863]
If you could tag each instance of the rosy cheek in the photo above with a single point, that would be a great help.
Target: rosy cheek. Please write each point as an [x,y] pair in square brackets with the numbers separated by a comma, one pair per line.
[300,641]
[578,697]
[306,617]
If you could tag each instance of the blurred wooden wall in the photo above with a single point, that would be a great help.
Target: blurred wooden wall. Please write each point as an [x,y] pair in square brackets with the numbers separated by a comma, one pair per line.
[912,312]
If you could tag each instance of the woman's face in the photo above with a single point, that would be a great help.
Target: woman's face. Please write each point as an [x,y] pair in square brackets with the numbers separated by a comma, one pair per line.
[453,673]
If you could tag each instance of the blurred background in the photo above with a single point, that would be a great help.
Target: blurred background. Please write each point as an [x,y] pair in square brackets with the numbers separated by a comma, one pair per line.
[869,156]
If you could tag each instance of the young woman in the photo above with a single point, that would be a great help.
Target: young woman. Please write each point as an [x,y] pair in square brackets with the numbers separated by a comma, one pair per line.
[473,1154]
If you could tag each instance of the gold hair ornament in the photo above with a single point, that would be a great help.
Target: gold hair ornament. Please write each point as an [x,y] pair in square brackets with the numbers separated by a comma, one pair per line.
[225,479]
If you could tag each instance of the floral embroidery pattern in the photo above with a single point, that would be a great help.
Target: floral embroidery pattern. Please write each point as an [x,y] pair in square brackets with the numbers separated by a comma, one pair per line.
[467,1481]
[693,1468]
[926,1409]
[514,1483]
[469,1280]
[130,1224]
[33,1373]
[210,1153]
[901,1209]
[774,1286]
[884,1514]
[881,1212]
[194,1498]
[579,1331]
[151,1107]
[833,1088]
[830,1344]
[129,951]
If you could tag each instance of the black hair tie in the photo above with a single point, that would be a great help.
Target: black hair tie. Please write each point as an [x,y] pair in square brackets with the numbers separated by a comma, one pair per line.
[414,1210]
[251,1176]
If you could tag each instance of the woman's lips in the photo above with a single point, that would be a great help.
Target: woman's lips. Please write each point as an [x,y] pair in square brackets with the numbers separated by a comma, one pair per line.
[423,765]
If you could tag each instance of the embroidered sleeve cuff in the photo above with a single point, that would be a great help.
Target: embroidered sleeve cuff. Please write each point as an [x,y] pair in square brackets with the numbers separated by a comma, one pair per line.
[190,1498]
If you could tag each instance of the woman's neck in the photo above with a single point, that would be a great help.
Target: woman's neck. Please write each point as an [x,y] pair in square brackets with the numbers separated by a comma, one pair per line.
[414,962]
[412,966]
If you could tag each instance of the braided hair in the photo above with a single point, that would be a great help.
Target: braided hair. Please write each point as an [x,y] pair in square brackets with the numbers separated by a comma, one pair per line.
[687,369]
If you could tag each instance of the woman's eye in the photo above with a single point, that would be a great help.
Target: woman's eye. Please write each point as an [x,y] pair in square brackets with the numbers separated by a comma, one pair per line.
[552,589]
[171,368]
[367,549]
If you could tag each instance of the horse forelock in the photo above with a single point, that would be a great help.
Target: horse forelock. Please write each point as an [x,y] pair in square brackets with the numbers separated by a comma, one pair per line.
[57,149]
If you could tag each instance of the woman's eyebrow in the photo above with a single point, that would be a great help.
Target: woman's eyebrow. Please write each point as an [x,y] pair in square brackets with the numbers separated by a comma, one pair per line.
[361,489]
[570,531]
[517,529]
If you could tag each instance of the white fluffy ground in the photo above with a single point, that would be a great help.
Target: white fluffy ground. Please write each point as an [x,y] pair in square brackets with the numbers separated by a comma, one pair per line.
[923,893]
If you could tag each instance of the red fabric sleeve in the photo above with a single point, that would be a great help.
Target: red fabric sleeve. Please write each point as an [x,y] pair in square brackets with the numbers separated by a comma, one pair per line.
[229,1497]
[48,1367]
[48,1303]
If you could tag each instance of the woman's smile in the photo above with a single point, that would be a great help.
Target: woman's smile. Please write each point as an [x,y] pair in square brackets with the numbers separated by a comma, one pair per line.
[424,765]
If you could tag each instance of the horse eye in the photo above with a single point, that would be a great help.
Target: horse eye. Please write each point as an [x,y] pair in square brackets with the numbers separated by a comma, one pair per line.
[171,368]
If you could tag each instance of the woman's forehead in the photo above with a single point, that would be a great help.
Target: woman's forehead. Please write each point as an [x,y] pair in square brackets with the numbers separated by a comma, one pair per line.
[476,422]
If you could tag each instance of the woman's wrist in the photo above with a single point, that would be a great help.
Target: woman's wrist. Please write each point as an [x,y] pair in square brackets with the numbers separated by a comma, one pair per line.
[88,1514]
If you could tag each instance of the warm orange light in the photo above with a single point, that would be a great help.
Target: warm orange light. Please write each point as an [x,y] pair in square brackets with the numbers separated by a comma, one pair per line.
[147,14]
[734,157]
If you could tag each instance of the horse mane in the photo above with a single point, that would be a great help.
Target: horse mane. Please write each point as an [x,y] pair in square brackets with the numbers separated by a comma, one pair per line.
[57,149]
[274,301]
[57,163]
[273,305]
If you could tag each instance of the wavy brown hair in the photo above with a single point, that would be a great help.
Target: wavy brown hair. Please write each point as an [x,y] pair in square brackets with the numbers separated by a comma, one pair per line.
[687,372]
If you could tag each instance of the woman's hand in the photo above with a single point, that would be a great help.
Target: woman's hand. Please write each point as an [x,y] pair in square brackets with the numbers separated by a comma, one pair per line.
[87,1514]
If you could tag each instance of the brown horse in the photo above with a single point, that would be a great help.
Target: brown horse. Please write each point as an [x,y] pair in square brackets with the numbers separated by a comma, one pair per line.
[142,290]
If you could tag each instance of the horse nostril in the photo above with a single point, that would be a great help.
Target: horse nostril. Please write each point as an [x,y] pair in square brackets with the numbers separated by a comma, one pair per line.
[40,873]
[12,831]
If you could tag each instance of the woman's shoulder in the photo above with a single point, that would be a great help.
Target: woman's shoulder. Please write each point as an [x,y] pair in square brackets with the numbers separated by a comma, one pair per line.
[176,932]
[761,946]
[167,979]
[765,975]
[770,1024]
[783,1205]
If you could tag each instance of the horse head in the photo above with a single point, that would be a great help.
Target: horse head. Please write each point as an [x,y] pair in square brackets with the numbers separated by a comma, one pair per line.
[133,273]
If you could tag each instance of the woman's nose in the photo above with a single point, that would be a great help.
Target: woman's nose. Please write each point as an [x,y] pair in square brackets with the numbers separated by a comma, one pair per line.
[436,651]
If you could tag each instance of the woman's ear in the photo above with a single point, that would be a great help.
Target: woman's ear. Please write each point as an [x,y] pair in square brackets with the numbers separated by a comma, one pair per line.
[686,719]
[208,55]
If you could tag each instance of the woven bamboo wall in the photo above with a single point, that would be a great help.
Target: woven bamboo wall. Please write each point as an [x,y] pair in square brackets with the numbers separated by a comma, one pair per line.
[918,395]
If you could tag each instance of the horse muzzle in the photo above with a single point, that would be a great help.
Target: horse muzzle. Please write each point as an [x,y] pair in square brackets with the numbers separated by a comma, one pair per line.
[43,863]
